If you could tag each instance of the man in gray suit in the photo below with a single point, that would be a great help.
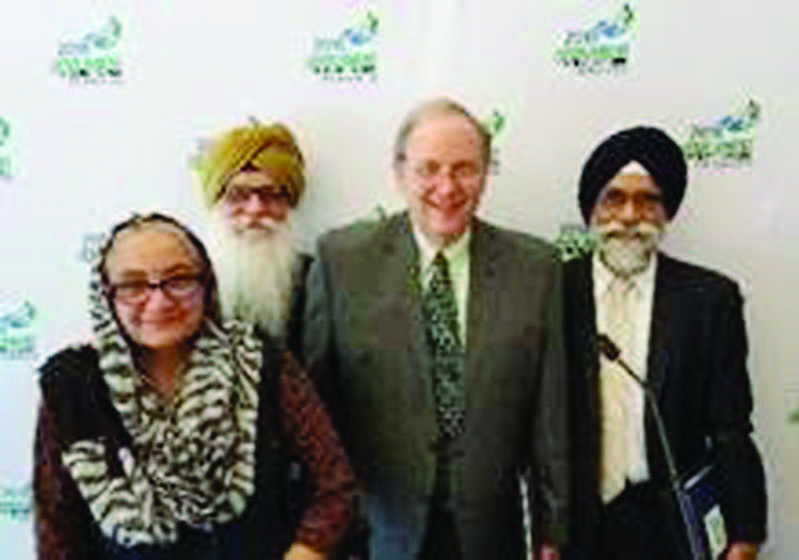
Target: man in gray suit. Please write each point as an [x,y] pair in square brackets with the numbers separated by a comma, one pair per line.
[439,431]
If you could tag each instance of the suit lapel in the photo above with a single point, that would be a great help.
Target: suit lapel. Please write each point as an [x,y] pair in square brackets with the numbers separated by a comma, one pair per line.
[584,329]
[581,332]
[663,308]
[481,303]
[665,341]
[398,278]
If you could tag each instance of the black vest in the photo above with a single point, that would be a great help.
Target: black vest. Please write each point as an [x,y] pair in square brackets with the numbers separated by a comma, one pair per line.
[74,390]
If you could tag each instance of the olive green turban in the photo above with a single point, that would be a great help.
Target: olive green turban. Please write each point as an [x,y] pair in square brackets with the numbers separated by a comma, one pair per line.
[255,147]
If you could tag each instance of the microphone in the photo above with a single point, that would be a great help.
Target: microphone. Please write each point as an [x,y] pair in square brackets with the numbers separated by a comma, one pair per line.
[612,352]
[608,347]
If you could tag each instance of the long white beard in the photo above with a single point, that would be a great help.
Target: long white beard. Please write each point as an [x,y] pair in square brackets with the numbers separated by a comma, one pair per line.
[254,270]
[627,250]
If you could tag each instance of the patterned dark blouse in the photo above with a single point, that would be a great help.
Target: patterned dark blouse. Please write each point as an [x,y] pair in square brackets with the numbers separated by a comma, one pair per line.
[64,526]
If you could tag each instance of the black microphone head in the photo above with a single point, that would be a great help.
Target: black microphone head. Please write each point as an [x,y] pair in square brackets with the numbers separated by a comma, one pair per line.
[607,347]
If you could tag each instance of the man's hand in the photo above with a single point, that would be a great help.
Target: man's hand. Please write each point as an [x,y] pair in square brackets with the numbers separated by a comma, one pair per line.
[742,551]
[548,552]
[299,551]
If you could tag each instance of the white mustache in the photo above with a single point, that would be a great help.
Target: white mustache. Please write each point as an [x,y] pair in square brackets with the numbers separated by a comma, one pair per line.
[265,225]
[642,230]
[627,249]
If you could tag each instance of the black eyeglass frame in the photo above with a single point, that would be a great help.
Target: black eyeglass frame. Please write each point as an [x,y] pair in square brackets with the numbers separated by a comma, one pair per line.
[178,287]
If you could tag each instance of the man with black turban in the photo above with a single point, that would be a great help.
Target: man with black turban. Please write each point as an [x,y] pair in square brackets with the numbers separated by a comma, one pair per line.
[681,328]
[252,179]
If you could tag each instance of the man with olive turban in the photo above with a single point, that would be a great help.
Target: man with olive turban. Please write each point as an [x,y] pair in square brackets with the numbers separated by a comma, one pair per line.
[252,179]
[678,326]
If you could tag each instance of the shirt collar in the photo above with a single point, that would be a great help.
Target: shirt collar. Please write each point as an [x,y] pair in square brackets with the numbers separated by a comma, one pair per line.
[453,252]
[640,282]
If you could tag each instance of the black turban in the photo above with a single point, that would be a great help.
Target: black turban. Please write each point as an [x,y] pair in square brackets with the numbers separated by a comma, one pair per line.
[652,148]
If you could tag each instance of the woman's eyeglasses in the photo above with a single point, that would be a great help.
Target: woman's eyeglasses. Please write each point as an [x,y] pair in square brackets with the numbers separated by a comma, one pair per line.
[138,291]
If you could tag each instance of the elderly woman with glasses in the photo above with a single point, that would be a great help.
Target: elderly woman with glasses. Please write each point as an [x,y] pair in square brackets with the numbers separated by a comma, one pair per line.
[170,437]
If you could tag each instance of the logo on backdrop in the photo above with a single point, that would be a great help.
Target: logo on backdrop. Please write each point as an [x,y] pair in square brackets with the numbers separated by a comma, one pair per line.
[5,148]
[602,48]
[5,131]
[93,58]
[792,394]
[90,247]
[350,55]
[726,142]
[495,124]
[198,153]
[574,241]
[17,338]
[16,502]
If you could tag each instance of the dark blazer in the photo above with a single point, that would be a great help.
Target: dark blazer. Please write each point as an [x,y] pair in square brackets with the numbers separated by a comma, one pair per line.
[295,322]
[365,345]
[697,367]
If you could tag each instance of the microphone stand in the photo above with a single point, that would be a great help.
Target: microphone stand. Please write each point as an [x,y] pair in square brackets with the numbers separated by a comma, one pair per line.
[611,351]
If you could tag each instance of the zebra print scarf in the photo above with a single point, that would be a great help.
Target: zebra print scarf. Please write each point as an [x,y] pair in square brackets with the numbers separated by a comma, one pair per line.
[193,463]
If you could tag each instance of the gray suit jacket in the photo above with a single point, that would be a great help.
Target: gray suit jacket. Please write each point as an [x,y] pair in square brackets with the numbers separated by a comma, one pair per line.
[365,346]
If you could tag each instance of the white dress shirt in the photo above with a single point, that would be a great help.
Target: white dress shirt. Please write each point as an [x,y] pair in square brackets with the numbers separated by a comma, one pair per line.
[457,255]
[624,418]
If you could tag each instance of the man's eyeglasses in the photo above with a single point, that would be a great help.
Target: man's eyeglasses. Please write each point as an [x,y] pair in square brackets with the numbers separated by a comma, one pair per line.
[463,171]
[138,291]
[615,200]
[266,195]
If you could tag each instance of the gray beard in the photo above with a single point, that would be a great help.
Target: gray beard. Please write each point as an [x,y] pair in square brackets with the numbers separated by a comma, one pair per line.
[626,252]
[254,271]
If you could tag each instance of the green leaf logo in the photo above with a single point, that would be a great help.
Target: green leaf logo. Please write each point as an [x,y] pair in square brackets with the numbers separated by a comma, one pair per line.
[5,131]
[495,123]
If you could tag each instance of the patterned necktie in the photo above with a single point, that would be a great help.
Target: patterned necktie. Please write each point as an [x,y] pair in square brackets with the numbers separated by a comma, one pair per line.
[446,350]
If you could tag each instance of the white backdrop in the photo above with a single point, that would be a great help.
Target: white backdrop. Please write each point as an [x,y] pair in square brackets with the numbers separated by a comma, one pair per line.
[86,154]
